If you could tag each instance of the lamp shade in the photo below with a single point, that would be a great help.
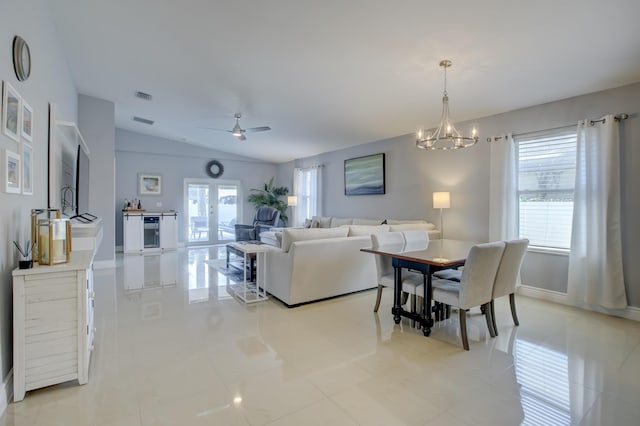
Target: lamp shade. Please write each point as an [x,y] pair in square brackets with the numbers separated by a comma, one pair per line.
[441,200]
[292,200]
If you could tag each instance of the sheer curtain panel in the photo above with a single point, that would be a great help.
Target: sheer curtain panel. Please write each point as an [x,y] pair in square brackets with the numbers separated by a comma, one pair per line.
[595,264]
[503,198]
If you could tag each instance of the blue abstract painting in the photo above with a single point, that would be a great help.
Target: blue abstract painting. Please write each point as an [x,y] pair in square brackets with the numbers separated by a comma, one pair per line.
[364,175]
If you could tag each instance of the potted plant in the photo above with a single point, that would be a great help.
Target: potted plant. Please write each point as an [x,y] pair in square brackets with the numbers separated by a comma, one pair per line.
[270,196]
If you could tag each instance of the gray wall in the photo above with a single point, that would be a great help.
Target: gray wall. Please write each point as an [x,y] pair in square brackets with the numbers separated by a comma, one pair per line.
[137,153]
[96,121]
[412,175]
[50,81]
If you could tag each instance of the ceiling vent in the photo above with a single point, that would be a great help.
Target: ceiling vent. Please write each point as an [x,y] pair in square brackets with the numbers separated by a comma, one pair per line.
[143,120]
[144,96]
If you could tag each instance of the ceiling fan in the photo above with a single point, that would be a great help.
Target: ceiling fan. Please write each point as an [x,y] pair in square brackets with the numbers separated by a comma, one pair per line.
[239,132]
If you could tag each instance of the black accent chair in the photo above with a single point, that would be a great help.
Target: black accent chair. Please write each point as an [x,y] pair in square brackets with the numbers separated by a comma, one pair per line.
[264,219]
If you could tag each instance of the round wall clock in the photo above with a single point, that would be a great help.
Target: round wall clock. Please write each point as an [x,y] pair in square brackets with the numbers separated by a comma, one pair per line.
[21,58]
[215,169]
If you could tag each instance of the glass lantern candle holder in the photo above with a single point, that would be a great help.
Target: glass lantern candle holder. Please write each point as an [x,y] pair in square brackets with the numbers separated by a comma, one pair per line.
[54,241]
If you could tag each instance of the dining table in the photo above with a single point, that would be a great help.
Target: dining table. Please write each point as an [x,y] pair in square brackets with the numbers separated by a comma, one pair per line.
[426,258]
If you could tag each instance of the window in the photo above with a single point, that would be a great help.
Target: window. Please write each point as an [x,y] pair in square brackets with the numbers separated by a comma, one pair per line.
[307,187]
[546,164]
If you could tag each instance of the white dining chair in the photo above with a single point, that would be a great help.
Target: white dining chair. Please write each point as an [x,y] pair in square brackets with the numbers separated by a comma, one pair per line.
[507,277]
[411,282]
[415,240]
[475,287]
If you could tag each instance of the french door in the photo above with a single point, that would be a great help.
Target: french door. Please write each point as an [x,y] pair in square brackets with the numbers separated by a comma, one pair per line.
[211,210]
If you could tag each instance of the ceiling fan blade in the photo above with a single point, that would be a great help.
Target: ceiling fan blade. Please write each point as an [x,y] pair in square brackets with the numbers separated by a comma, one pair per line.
[259,129]
[213,128]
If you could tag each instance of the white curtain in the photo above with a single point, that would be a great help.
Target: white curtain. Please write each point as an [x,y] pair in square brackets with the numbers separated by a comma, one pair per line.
[307,186]
[595,263]
[503,196]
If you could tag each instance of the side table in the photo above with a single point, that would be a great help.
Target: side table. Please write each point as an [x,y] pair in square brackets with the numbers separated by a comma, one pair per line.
[250,290]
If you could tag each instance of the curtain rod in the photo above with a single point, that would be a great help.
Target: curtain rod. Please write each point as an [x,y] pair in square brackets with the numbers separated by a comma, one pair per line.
[618,117]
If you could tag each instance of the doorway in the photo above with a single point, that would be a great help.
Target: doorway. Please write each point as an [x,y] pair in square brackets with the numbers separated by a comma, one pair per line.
[212,209]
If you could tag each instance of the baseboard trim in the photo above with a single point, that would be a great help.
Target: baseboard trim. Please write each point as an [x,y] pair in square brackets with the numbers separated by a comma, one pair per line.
[631,312]
[104,264]
[6,392]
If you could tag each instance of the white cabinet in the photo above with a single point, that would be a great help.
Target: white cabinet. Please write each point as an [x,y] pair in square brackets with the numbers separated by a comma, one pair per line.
[149,231]
[169,231]
[52,323]
[132,226]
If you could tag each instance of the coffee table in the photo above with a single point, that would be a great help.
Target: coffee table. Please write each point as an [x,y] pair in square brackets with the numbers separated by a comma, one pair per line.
[253,287]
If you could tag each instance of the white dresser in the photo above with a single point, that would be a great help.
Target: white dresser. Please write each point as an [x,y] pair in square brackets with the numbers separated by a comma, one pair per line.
[52,323]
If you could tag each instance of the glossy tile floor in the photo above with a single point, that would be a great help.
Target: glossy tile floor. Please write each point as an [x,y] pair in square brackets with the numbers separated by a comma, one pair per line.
[173,348]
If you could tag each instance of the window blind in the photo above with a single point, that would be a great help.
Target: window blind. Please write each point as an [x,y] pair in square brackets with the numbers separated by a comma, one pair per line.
[546,178]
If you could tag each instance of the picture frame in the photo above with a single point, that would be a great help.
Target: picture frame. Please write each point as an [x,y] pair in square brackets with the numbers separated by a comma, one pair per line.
[365,175]
[11,111]
[26,128]
[27,169]
[149,184]
[11,172]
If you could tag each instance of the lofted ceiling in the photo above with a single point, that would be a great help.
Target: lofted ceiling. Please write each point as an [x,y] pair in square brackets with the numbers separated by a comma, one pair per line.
[325,75]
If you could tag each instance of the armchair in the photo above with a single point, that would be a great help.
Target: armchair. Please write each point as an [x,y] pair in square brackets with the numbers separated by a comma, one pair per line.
[265,218]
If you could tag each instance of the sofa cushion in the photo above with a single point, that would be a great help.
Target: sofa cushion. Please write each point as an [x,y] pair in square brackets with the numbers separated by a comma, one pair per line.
[356,230]
[291,235]
[412,226]
[403,221]
[360,221]
[321,222]
[272,238]
[339,221]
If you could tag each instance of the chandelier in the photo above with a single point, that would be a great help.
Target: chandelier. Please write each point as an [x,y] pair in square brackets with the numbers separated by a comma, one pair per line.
[445,136]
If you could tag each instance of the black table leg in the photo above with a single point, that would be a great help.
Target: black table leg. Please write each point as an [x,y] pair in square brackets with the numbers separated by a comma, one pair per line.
[397,294]
[428,321]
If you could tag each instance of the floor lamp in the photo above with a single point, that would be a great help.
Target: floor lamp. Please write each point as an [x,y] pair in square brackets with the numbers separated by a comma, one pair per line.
[441,200]
[292,201]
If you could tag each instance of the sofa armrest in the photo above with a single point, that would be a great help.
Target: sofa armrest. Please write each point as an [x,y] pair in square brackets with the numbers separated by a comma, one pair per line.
[245,232]
[260,227]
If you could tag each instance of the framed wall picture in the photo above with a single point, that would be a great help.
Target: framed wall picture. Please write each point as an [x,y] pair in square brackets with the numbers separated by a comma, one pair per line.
[11,172]
[27,121]
[364,175]
[11,110]
[149,184]
[27,169]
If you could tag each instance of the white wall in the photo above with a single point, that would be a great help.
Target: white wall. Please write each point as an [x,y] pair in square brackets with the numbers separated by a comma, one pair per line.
[96,121]
[412,175]
[50,81]
[137,153]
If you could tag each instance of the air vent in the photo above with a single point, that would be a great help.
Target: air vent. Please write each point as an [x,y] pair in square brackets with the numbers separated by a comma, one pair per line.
[143,120]
[142,95]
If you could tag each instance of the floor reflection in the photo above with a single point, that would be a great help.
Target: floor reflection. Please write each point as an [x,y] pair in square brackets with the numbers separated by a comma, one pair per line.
[543,375]
[203,281]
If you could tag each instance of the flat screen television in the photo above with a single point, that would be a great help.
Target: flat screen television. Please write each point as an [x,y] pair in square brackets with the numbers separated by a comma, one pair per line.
[82,182]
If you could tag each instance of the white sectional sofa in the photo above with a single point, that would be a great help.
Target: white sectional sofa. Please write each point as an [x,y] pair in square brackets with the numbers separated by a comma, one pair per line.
[319,263]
